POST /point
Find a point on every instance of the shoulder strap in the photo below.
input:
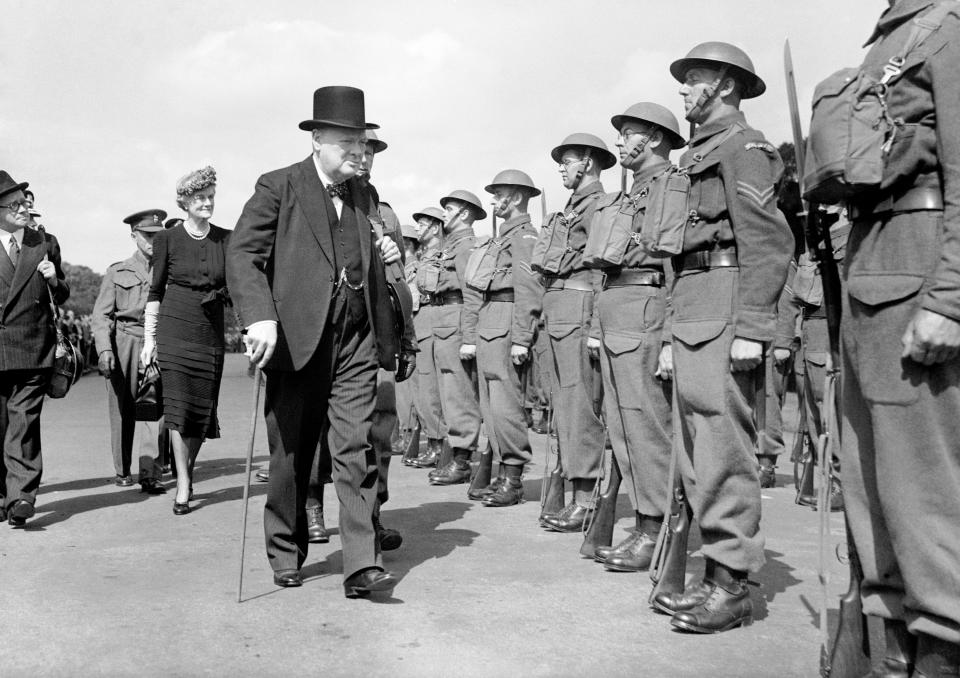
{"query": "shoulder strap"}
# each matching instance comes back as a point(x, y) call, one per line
point(923, 26)
point(712, 145)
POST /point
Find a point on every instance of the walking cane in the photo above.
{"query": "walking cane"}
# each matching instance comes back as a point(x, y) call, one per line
point(257, 382)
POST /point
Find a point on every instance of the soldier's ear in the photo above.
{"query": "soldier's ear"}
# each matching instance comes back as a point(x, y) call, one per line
point(656, 138)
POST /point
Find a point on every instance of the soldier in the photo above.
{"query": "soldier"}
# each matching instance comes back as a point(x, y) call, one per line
point(901, 339)
point(406, 390)
point(430, 221)
point(454, 332)
point(735, 251)
point(631, 308)
point(118, 335)
point(568, 312)
point(505, 322)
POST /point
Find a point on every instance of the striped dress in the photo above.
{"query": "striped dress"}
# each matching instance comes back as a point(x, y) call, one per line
point(189, 281)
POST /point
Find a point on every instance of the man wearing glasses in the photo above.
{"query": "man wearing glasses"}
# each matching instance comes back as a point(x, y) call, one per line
point(30, 276)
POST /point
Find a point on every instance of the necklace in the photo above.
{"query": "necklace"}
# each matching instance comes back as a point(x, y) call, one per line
point(193, 235)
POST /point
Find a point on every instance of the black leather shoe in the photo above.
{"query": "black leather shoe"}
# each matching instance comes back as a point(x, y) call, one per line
point(262, 475)
point(726, 607)
point(695, 593)
point(288, 578)
point(18, 513)
point(389, 539)
point(123, 481)
point(430, 456)
point(152, 486)
point(508, 493)
point(361, 584)
point(316, 529)
point(562, 513)
point(601, 553)
point(634, 558)
point(455, 472)
point(479, 493)
point(181, 509)
point(768, 473)
point(569, 521)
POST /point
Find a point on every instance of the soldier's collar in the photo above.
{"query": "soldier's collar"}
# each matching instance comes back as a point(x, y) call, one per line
point(894, 16)
point(514, 223)
point(704, 132)
point(457, 236)
point(584, 191)
point(642, 176)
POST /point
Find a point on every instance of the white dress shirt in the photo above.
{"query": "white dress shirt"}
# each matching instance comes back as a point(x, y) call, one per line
point(327, 181)
point(8, 238)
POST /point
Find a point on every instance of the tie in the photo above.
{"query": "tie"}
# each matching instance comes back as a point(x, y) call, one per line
point(14, 251)
point(337, 190)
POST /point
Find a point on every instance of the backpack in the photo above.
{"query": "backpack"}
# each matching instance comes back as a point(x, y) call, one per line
point(611, 229)
point(851, 131)
point(552, 244)
point(665, 221)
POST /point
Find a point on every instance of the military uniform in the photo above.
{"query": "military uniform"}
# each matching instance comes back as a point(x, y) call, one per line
point(441, 287)
point(901, 467)
point(736, 250)
point(407, 390)
point(631, 308)
point(508, 314)
point(569, 320)
point(118, 327)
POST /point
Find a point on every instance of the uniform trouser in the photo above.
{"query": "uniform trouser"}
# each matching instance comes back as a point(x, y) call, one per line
point(901, 431)
point(458, 389)
point(384, 423)
point(21, 464)
point(772, 444)
point(501, 391)
point(335, 391)
point(580, 433)
point(121, 406)
point(406, 407)
point(538, 387)
point(427, 396)
point(713, 419)
point(636, 403)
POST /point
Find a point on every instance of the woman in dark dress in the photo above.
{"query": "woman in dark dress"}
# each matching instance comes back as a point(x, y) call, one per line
point(183, 328)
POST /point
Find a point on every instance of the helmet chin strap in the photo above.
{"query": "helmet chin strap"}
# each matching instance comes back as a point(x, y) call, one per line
point(583, 163)
point(708, 94)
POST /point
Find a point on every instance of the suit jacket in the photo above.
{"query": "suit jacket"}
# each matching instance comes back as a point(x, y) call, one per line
point(27, 334)
point(280, 264)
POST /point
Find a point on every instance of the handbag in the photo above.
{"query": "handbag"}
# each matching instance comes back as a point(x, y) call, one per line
point(149, 402)
point(67, 364)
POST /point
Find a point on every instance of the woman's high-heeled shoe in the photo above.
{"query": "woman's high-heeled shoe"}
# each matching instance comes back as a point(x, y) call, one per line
point(181, 509)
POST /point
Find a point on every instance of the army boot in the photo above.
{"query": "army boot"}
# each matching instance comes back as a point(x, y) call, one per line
point(726, 606)
point(316, 529)
point(692, 595)
point(601, 553)
point(637, 556)
point(430, 457)
point(481, 485)
point(510, 491)
point(768, 471)
point(454, 472)
point(936, 658)
point(388, 539)
point(446, 456)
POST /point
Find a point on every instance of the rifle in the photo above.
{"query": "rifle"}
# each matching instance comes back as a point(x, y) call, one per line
point(598, 531)
point(413, 445)
point(551, 487)
point(850, 653)
point(668, 569)
point(493, 223)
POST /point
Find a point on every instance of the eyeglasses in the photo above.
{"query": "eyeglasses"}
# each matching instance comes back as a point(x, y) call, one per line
point(566, 163)
point(17, 206)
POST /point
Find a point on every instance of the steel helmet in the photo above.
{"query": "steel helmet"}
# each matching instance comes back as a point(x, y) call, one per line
point(468, 198)
point(377, 144)
point(714, 54)
point(586, 140)
point(654, 114)
point(430, 213)
point(409, 231)
point(513, 177)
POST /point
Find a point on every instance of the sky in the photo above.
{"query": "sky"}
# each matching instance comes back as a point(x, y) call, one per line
point(107, 103)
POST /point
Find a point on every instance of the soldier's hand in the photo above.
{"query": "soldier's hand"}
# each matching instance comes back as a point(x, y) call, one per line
point(105, 363)
point(406, 364)
point(593, 348)
point(665, 363)
point(519, 354)
point(468, 351)
point(148, 354)
point(388, 250)
point(931, 338)
point(745, 354)
point(260, 340)
point(781, 355)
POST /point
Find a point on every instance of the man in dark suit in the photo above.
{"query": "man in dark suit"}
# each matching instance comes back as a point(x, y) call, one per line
point(30, 275)
point(306, 273)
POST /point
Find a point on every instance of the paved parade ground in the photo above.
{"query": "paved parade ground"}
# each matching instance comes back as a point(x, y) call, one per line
point(108, 582)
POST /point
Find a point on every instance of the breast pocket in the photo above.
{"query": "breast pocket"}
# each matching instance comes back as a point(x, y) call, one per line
point(127, 288)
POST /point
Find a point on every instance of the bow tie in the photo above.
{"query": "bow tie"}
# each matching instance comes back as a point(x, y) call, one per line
point(337, 190)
